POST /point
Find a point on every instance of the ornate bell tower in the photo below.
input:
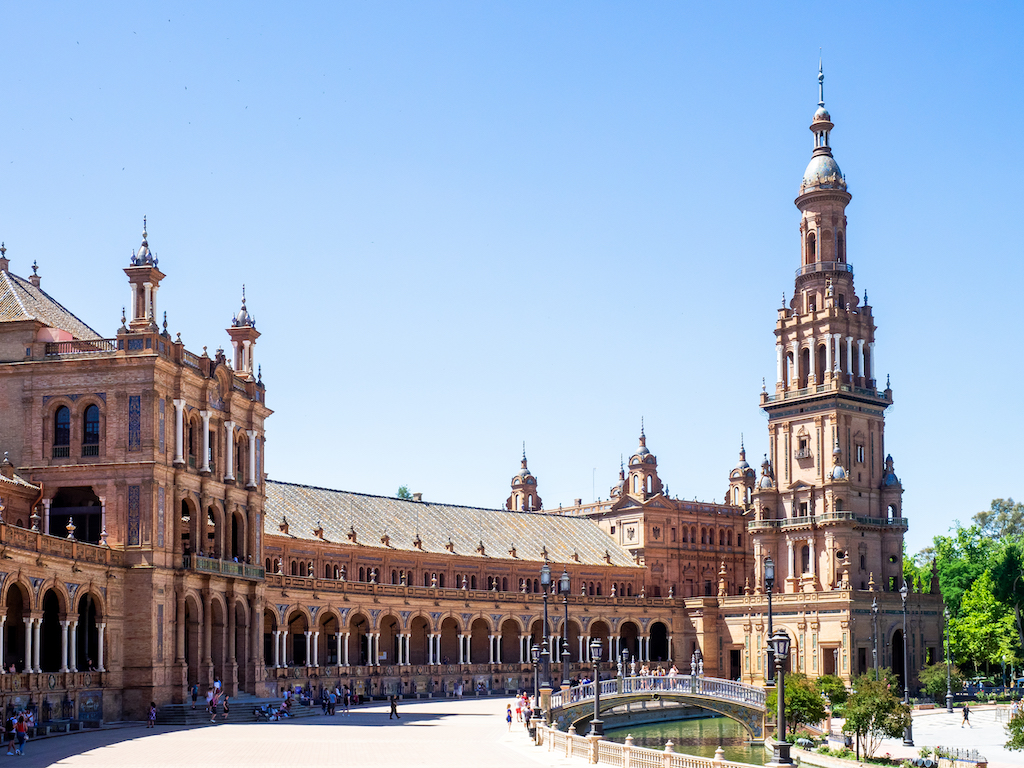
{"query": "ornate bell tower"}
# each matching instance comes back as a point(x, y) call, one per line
point(144, 279)
point(524, 496)
point(828, 507)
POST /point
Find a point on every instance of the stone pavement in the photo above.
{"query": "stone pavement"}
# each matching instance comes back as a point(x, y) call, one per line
point(454, 734)
point(937, 727)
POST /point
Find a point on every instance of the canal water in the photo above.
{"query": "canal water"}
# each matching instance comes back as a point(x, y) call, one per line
point(700, 736)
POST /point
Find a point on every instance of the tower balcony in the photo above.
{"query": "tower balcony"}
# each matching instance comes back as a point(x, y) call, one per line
point(824, 266)
point(814, 521)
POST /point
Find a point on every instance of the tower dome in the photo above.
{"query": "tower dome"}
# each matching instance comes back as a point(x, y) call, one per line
point(823, 171)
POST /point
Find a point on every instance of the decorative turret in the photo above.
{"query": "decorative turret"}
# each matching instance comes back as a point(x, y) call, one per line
point(144, 278)
point(4, 261)
point(741, 480)
point(643, 481)
point(243, 335)
point(524, 496)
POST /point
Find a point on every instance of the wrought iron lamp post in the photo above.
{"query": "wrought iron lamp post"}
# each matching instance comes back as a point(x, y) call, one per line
point(563, 585)
point(780, 643)
point(769, 582)
point(535, 653)
point(874, 634)
point(596, 726)
point(545, 585)
point(949, 677)
point(908, 734)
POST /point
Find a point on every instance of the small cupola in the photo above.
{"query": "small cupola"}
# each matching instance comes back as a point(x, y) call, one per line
point(243, 335)
point(524, 496)
point(643, 481)
point(144, 277)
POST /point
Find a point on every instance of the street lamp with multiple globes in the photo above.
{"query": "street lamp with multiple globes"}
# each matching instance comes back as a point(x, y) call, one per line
point(908, 733)
point(874, 634)
point(545, 585)
point(780, 646)
point(596, 726)
point(949, 678)
point(563, 584)
point(769, 582)
point(535, 653)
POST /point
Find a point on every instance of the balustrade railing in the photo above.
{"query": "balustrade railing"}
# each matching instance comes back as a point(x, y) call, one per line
point(824, 266)
point(80, 347)
point(827, 517)
point(694, 684)
point(195, 562)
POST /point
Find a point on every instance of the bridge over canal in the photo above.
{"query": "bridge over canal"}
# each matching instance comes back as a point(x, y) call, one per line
point(737, 701)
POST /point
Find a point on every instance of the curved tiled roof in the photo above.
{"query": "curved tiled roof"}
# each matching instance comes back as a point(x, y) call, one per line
point(306, 506)
point(20, 300)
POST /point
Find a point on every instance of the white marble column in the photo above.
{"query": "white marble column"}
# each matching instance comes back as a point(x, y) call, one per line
point(828, 355)
point(64, 646)
point(277, 648)
point(3, 621)
point(36, 645)
point(794, 347)
point(791, 559)
point(669, 648)
point(153, 312)
point(860, 357)
point(135, 300)
point(870, 373)
point(247, 355)
point(179, 431)
point(582, 656)
point(851, 369)
point(73, 647)
point(28, 644)
point(147, 296)
point(490, 649)
point(337, 647)
point(309, 647)
point(206, 441)
point(811, 555)
point(101, 631)
point(812, 369)
point(838, 339)
point(780, 359)
point(316, 648)
point(345, 655)
point(253, 483)
point(229, 454)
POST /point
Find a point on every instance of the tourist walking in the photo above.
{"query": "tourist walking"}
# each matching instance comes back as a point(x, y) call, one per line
point(9, 734)
point(213, 708)
point(195, 694)
point(151, 720)
point(21, 730)
point(508, 716)
point(394, 708)
point(967, 717)
point(226, 707)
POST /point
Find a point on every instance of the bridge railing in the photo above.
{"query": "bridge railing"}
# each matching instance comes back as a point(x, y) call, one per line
point(693, 684)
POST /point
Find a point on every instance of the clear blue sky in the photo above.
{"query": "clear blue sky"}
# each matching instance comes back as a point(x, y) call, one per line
point(466, 225)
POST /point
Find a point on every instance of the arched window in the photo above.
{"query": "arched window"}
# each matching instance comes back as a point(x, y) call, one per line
point(721, 538)
point(805, 559)
point(193, 443)
point(440, 580)
point(267, 565)
point(636, 483)
point(394, 576)
point(62, 433)
point(812, 248)
point(840, 247)
point(650, 484)
point(362, 573)
point(536, 585)
point(739, 539)
point(504, 583)
point(295, 568)
point(839, 505)
point(327, 571)
point(472, 581)
point(91, 431)
point(693, 535)
point(629, 590)
point(335, 572)
point(703, 535)
point(240, 463)
point(426, 579)
point(599, 589)
point(729, 537)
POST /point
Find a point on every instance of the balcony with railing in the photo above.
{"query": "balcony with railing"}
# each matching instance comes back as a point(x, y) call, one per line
point(194, 562)
point(824, 266)
point(811, 521)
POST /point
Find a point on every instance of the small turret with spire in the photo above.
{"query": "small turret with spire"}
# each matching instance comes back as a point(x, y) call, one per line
point(144, 277)
point(243, 335)
point(524, 496)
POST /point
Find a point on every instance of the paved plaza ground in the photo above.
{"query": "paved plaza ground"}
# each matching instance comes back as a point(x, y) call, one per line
point(453, 734)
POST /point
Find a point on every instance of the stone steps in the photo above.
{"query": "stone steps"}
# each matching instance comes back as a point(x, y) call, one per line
point(242, 707)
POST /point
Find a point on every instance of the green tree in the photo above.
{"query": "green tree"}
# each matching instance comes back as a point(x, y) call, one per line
point(874, 711)
point(961, 559)
point(1004, 518)
point(1015, 731)
point(933, 680)
point(1008, 580)
point(980, 632)
point(404, 493)
point(804, 704)
point(832, 687)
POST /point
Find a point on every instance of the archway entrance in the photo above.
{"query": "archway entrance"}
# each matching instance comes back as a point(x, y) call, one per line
point(82, 506)
point(659, 642)
point(50, 634)
point(898, 667)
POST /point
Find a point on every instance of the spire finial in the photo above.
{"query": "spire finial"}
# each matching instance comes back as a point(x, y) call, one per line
point(243, 295)
point(3, 250)
point(35, 267)
point(821, 82)
point(642, 427)
point(524, 450)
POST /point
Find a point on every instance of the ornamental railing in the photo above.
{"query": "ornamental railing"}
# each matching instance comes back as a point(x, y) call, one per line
point(697, 685)
point(80, 347)
point(824, 266)
point(828, 517)
point(195, 562)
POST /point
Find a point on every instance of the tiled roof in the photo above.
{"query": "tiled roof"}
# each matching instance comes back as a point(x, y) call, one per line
point(306, 506)
point(20, 300)
point(17, 481)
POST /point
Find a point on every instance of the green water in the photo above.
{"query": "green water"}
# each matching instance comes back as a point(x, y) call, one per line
point(694, 737)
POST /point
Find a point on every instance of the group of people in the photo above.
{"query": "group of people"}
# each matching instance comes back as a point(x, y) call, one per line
point(330, 699)
point(213, 701)
point(16, 731)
